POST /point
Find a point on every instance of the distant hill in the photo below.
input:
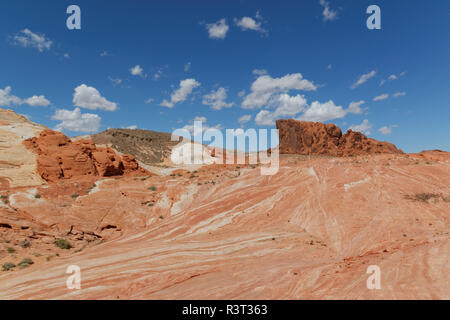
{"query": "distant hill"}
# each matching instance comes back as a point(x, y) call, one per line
point(149, 147)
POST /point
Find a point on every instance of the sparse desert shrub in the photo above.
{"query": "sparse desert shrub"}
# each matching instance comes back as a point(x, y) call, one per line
point(152, 188)
point(37, 196)
point(25, 243)
point(26, 262)
point(63, 244)
point(10, 250)
point(8, 266)
point(422, 197)
point(75, 195)
point(445, 199)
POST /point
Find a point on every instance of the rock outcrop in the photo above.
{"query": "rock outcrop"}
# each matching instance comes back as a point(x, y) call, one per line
point(17, 163)
point(315, 138)
point(61, 158)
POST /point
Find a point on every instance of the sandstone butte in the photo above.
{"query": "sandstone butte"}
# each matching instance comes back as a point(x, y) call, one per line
point(227, 232)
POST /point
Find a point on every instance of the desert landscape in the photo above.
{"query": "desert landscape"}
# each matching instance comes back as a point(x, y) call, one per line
point(141, 227)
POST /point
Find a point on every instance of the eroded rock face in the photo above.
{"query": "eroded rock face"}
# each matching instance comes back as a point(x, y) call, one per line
point(315, 138)
point(60, 158)
point(17, 163)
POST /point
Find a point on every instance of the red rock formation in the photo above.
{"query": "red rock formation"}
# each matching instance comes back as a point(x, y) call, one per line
point(60, 158)
point(315, 138)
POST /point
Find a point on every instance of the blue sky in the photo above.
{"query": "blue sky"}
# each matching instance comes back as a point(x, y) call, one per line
point(222, 60)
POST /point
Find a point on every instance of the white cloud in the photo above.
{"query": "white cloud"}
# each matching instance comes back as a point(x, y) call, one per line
point(133, 127)
point(105, 54)
point(216, 99)
point(241, 93)
point(364, 127)
point(259, 72)
point(181, 94)
point(288, 106)
point(266, 88)
point(399, 94)
point(66, 55)
point(386, 130)
point(363, 79)
point(37, 101)
point(28, 39)
point(328, 13)
point(355, 107)
point(218, 30)
point(323, 112)
point(89, 98)
point(248, 23)
point(187, 67)
point(149, 100)
point(76, 121)
point(329, 67)
point(392, 77)
point(383, 96)
point(137, 71)
point(115, 82)
point(244, 119)
point(6, 98)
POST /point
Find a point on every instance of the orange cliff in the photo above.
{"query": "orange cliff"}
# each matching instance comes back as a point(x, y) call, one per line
point(315, 138)
point(61, 158)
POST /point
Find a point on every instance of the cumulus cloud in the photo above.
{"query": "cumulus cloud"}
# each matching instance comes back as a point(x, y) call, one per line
point(248, 23)
point(383, 96)
point(244, 119)
point(328, 13)
point(265, 88)
point(37, 101)
point(216, 99)
point(7, 99)
point(323, 112)
point(181, 94)
point(241, 93)
point(364, 127)
point(392, 77)
point(287, 106)
point(218, 30)
point(66, 56)
point(137, 71)
point(362, 79)
point(89, 98)
point(76, 121)
point(386, 130)
point(355, 107)
point(28, 39)
point(105, 54)
point(399, 94)
point(149, 100)
point(132, 127)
